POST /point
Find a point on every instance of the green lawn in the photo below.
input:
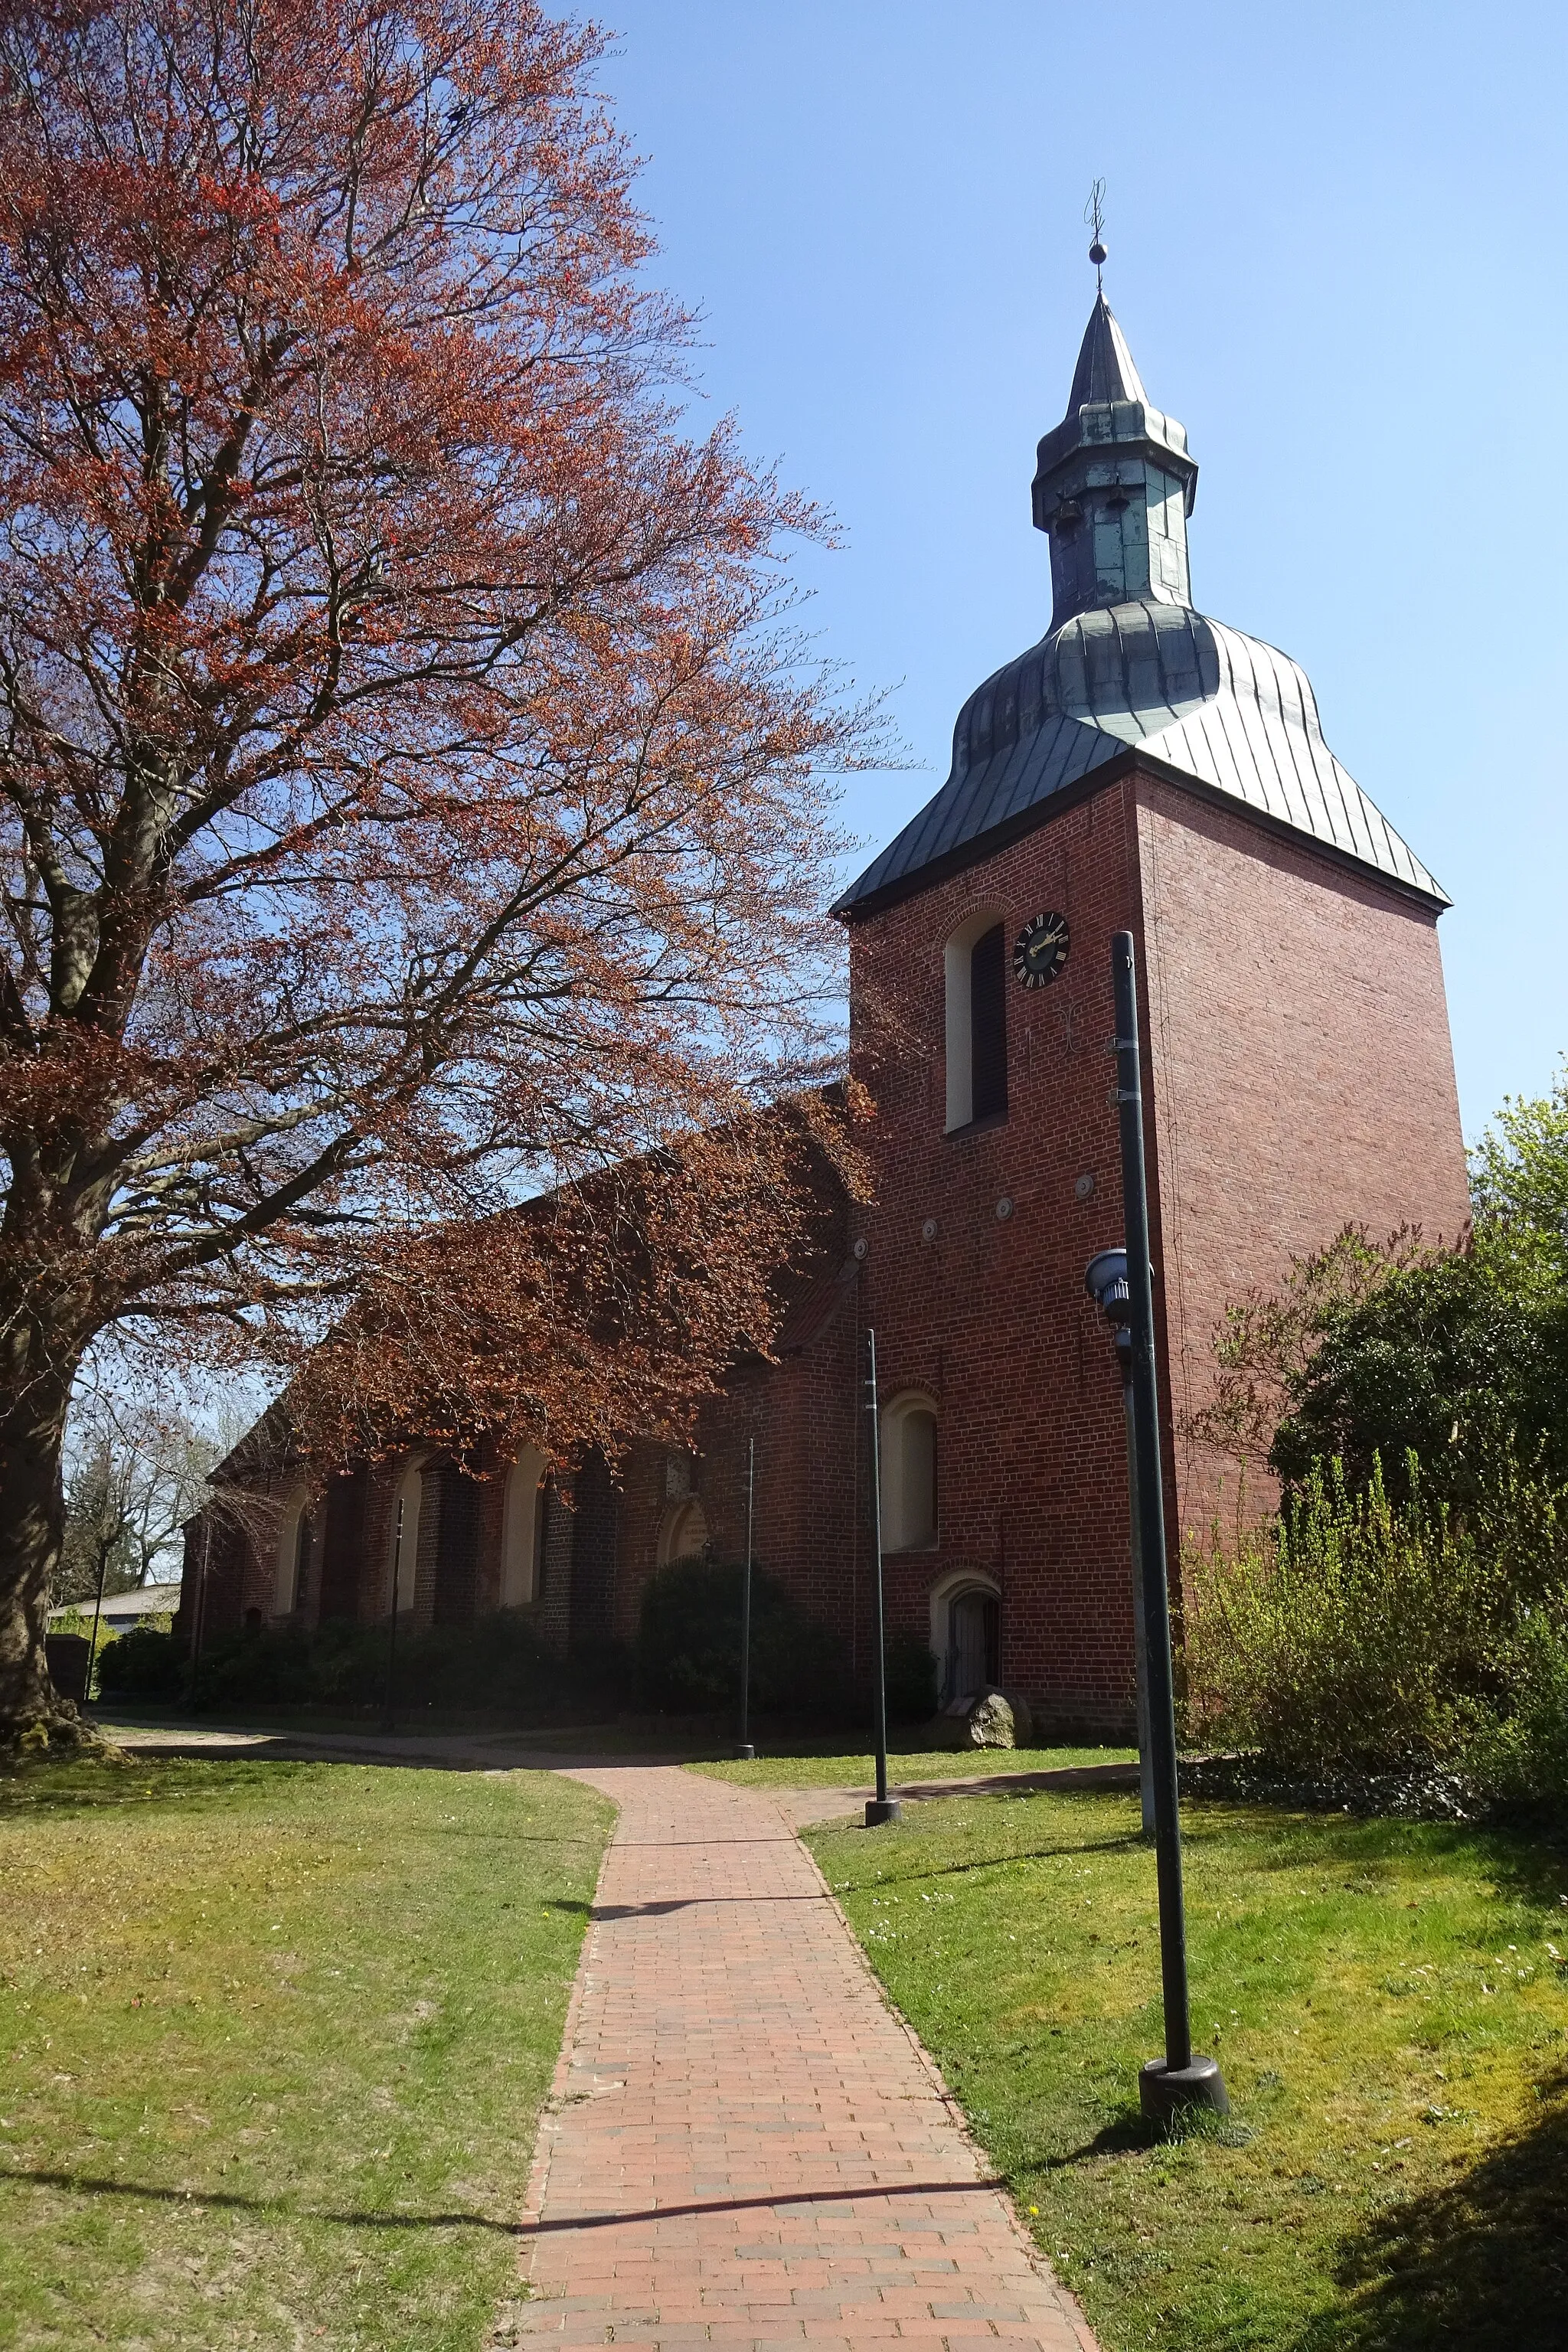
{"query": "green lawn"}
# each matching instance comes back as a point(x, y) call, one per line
point(276, 2037)
point(1391, 2016)
point(808, 1769)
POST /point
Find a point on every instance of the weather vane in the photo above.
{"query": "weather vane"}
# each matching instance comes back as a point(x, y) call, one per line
point(1094, 215)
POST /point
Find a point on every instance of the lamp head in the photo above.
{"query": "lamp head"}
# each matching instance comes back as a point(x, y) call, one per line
point(1105, 1280)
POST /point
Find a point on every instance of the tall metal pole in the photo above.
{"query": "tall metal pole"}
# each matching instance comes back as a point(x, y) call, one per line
point(1139, 1630)
point(881, 1807)
point(745, 1748)
point(96, 1613)
point(1179, 2080)
point(391, 1630)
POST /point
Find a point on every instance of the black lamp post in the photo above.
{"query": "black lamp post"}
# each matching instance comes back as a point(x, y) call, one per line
point(1106, 1283)
point(743, 1746)
point(881, 1808)
point(1179, 2079)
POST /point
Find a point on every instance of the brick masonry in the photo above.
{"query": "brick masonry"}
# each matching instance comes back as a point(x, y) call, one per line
point(1296, 1041)
point(745, 2145)
point(1301, 1076)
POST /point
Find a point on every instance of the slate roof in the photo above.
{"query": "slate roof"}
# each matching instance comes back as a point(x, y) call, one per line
point(1148, 672)
point(1225, 709)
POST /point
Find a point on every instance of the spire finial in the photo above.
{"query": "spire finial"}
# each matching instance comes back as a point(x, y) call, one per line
point(1094, 217)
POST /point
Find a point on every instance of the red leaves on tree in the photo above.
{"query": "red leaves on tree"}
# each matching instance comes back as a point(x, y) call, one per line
point(413, 799)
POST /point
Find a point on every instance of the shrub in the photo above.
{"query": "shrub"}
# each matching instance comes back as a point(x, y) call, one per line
point(1451, 1361)
point(496, 1664)
point(146, 1662)
point(688, 1646)
point(264, 1668)
point(1522, 1758)
point(911, 1679)
point(1352, 1632)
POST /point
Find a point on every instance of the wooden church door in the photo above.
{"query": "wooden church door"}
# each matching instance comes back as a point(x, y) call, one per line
point(973, 1645)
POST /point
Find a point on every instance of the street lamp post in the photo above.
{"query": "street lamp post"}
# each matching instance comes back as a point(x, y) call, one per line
point(881, 1807)
point(743, 1746)
point(1180, 2079)
point(1106, 1283)
point(199, 1631)
point(97, 1617)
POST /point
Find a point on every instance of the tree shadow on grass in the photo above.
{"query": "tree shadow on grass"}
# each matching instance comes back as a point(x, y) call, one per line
point(1527, 1866)
point(1481, 2263)
point(919, 1872)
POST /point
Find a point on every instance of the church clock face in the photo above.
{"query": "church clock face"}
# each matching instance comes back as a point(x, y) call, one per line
point(1040, 951)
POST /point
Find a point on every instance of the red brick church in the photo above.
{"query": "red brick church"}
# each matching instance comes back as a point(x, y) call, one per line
point(1142, 767)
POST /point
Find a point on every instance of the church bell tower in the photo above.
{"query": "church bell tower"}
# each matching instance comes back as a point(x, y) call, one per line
point(1141, 767)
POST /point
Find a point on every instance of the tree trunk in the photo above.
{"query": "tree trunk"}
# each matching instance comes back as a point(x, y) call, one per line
point(35, 1721)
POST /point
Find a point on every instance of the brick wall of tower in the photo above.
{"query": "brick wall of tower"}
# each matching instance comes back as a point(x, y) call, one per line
point(1302, 1069)
point(989, 1316)
point(1297, 1037)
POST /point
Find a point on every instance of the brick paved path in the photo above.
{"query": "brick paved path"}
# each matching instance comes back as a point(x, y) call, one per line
point(745, 2146)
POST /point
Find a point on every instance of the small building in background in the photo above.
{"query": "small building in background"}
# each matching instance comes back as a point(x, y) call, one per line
point(144, 1604)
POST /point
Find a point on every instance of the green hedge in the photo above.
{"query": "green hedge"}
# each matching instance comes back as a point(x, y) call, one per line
point(146, 1662)
point(685, 1661)
point(688, 1657)
point(497, 1666)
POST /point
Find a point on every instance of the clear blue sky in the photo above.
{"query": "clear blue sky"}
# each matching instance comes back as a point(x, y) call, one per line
point(1337, 237)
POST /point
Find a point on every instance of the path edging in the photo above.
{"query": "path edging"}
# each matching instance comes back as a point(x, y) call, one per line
point(508, 2317)
point(985, 2171)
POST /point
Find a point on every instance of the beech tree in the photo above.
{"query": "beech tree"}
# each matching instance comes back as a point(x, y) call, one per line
point(412, 798)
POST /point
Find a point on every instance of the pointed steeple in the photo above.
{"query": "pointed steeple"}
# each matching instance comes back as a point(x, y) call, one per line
point(1128, 670)
point(1114, 485)
point(1105, 370)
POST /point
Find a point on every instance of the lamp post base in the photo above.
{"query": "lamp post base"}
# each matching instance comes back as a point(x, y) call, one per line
point(878, 1811)
point(744, 1751)
point(1163, 2091)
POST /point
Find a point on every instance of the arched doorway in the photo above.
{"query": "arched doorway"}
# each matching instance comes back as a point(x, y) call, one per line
point(966, 1627)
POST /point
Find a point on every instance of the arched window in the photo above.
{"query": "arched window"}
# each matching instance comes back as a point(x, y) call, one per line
point(908, 1474)
point(292, 1570)
point(520, 1528)
point(683, 1533)
point(403, 1537)
point(975, 967)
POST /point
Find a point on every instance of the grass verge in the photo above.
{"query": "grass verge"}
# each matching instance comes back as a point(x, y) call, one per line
point(812, 1767)
point(1391, 2016)
point(276, 2037)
